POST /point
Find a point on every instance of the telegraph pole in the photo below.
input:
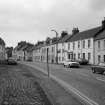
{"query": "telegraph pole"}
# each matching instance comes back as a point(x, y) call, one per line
point(48, 72)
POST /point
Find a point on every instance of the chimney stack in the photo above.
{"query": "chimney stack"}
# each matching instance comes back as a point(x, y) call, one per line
point(64, 33)
point(103, 24)
point(75, 31)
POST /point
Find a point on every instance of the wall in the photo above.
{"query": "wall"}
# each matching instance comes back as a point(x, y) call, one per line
point(99, 51)
point(81, 50)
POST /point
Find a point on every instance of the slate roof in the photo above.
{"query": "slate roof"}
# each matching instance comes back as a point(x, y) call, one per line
point(85, 34)
point(64, 39)
point(100, 35)
point(55, 40)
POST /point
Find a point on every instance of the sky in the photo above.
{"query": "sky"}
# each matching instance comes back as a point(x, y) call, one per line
point(33, 20)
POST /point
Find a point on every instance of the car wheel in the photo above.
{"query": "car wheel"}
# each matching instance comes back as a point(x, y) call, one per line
point(93, 70)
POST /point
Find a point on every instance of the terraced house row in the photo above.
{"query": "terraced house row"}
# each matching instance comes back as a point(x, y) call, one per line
point(88, 44)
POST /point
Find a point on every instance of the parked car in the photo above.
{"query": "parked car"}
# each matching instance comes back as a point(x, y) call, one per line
point(82, 61)
point(11, 61)
point(71, 63)
point(100, 68)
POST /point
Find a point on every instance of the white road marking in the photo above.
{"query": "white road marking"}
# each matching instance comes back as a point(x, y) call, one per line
point(69, 88)
point(100, 79)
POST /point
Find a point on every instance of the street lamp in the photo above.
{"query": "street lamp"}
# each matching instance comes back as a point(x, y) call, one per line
point(56, 45)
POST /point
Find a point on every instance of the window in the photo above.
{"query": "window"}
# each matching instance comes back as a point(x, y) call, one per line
point(73, 45)
point(83, 55)
point(98, 44)
point(78, 55)
point(104, 44)
point(99, 58)
point(83, 43)
point(78, 44)
point(104, 58)
point(74, 56)
point(89, 44)
point(71, 56)
point(89, 56)
point(68, 56)
point(68, 46)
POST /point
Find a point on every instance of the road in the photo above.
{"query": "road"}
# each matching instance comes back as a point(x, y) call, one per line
point(19, 87)
point(83, 80)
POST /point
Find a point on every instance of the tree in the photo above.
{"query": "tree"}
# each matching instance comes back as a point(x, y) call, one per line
point(64, 33)
point(9, 51)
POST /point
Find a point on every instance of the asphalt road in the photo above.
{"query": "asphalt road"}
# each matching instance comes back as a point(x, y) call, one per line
point(19, 87)
point(82, 79)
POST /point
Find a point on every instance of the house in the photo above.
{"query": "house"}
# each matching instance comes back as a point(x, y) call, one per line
point(2, 50)
point(18, 54)
point(62, 46)
point(100, 48)
point(45, 51)
point(23, 51)
point(81, 44)
point(37, 56)
point(29, 52)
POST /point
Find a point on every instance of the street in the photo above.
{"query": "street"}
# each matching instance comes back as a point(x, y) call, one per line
point(91, 86)
point(19, 87)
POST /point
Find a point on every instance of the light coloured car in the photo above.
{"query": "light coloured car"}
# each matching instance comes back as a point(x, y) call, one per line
point(71, 63)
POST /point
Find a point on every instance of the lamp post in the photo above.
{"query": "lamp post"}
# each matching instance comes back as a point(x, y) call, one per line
point(56, 46)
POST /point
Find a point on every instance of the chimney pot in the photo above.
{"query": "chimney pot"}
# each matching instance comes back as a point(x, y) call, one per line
point(75, 31)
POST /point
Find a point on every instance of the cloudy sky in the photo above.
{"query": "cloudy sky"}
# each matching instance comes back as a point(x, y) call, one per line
point(33, 20)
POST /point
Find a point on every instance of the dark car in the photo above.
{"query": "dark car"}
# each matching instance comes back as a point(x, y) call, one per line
point(100, 68)
point(82, 61)
point(11, 61)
